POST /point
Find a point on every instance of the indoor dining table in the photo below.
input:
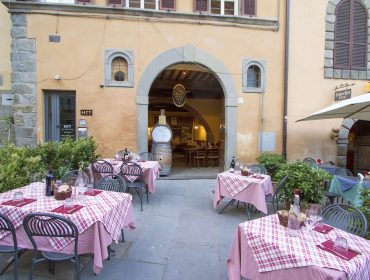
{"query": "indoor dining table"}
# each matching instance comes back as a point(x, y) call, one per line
point(249, 189)
point(263, 250)
point(98, 215)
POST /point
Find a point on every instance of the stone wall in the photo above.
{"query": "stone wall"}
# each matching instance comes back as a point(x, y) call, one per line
point(23, 59)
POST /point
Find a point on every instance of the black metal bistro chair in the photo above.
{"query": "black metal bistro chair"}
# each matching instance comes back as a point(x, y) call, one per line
point(51, 225)
point(132, 169)
point(345, 217)
point(71, 177)
point(7, 226)
point(310, 161)
point(113, 183)
point(101, 168)
point(146, 156)
point(274, 199)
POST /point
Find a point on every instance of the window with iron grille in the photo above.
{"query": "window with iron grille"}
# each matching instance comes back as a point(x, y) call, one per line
point(115, 3)
point(119, 68)
point(201, 5)
point(350, 35)
point(168, 4)
point(248, 7)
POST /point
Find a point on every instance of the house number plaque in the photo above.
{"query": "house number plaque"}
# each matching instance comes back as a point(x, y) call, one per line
point(86, 112)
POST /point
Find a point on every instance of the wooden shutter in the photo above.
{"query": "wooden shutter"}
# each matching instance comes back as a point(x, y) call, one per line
point(201, 5)
point(359, 36)
point(83, 1)
point(342, 35)
point(249, 7)
point(115, 2)
point(168, 5)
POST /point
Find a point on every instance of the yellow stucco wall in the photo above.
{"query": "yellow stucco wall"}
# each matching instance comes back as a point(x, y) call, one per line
point(79, 60)
point(308, 90)
point(5, 42)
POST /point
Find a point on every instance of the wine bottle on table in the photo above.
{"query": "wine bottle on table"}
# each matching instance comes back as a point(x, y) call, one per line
point(294, 217)
point(49, 182)
point(232, 165)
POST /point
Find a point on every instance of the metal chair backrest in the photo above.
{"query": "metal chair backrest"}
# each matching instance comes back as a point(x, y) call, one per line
point(131, 169)
point(113, 183)
point(100, 168)
point(280, 187)
point(310, 161)
point(71, 176)
point(7, 226)
point(146, 156)
point(49, 225)
point(345, 217)
point(342, 171)
point(258, 169)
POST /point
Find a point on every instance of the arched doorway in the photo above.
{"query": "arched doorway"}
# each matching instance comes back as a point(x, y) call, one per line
point(191, 55)
point(353, 145)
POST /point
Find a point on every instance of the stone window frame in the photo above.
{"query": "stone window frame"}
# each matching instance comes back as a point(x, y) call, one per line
point(109, 56)
point(247, 62)
point(329, 71)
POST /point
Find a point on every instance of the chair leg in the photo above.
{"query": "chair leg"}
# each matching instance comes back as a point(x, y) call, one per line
point(32, 266)
point(77, 267)
point(141, 198)
point(122, 235)
point(16, 268)
point(147, 194)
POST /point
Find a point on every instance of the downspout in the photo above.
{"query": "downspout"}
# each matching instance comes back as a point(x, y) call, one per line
point(286, 80)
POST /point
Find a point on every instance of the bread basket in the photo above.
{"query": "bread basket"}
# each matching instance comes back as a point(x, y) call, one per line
point(245, 172)
point(283, 218)
point(61, 193)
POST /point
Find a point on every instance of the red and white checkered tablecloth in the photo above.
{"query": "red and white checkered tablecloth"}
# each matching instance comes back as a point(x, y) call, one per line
point(234, 183)
point(145, 165)
point(109, 208)
point(274, 249)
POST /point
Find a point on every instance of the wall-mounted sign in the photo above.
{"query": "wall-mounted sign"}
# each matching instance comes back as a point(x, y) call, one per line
point(86, 112)
point(342, 94)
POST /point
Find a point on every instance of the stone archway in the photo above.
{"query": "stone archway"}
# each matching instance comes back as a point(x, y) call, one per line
point(342, 142)
point(187, 54)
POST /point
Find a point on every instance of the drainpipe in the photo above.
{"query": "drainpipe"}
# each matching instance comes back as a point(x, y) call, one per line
point(286, 79)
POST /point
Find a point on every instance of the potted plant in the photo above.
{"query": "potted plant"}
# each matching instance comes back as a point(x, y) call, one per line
point(272, 162)
point(309, 180)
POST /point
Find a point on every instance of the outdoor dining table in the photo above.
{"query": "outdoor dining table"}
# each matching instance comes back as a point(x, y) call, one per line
point(348, 187)
point(249, 189)
point(263, 250)
point(99, 221)
point(330, 168)
point(150, 170)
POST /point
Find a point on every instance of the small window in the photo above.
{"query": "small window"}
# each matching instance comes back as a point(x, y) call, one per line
point(229, 8)
point(254, 72)
point(149, 4)
point(134, 3)
point(119, 68)
point(216, 7)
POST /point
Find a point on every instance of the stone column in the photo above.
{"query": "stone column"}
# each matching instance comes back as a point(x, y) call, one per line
point(23, 59)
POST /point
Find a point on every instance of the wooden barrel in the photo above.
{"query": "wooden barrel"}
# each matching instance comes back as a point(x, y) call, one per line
point(163, 154)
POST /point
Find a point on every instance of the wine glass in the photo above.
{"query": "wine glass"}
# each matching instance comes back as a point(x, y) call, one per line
point(310, 219)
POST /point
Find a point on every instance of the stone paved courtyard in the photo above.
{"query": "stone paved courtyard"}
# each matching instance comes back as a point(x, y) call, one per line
point(177, 236)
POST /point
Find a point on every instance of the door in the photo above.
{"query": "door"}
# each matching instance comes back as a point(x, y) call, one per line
point(60, 115)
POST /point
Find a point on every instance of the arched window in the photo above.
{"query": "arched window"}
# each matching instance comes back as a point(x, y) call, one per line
point(254, 75)
point(350, 35)
point(119, 68)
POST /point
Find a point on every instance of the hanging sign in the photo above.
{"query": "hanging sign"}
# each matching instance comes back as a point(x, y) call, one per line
point(342, 94)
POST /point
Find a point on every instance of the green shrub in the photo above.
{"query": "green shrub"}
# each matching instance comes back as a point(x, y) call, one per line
point(309, 180)
point(365, 207)
point(21, 165)
point(272, 163)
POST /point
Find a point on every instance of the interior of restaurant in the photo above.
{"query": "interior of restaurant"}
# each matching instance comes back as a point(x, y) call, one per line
point(358, 153)
point(197, 123)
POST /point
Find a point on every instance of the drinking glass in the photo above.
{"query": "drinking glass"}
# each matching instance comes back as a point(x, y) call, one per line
point(68, 203)
point(18, 196)
point(340, 244)
point(310, 219)
point(90, 188)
